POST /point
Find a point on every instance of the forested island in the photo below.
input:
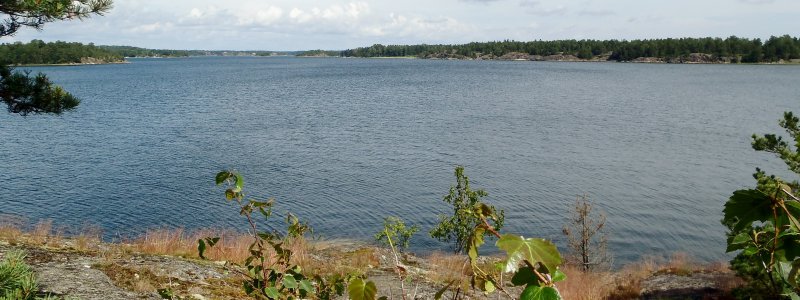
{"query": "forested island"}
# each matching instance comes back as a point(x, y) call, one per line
point(783, 49)
point(38, 52)
point(129, 51)
point(683, 50)
point(319, 53)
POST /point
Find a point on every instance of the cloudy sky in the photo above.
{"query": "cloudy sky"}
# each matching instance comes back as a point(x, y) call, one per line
point(333, 24)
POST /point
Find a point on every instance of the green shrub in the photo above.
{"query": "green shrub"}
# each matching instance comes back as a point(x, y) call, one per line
point(459, 227)
point(395, 233)
point(16, 278)
point(763, 223)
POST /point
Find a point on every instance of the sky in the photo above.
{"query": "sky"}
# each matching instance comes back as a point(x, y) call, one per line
point(336, 25)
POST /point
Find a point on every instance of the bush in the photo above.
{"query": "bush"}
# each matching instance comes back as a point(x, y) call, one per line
point(459, 227)
point(16, 278)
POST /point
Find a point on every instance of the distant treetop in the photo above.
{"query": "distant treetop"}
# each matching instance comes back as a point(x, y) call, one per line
point(731, 49)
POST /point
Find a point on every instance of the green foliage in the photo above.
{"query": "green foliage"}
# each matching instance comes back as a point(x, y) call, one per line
point(395, 233)
point(270, 273)
point(533, 292)
point(775, 144)
point(129, 51)
point(532, 262)
point(763, 223)
point(319, 53)
point(17, 281)
point(38, 52)
point(360, 289)
point(166, 293)
point(458, 228)
point(519, 249)
point(733, 49)
point(24, 94)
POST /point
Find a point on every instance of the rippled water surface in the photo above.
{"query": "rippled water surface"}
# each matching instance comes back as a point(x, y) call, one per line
point(345, 142)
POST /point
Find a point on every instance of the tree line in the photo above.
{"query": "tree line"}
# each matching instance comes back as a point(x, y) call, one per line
point(734, 49)
point(130, 51)
point(39, 52)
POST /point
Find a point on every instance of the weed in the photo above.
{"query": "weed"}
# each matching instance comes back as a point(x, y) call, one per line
point(17, 281)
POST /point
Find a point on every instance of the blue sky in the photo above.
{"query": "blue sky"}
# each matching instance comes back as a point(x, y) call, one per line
point(302, 24)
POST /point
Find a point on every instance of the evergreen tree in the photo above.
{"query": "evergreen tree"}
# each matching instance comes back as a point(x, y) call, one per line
point(25, 94)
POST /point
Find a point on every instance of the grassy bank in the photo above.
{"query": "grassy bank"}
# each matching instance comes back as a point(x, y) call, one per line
point(159, 259)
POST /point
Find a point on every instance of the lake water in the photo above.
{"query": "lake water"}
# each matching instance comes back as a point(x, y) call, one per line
point(343, 143)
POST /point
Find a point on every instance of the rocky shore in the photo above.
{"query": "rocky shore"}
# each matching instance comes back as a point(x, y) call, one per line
point(69, 269)
point(692, 58)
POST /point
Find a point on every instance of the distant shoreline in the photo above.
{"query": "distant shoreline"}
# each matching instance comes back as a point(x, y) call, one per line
point(660, 61)
point(71, 64)
point(637, 61)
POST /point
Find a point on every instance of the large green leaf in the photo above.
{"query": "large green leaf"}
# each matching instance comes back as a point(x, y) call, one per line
point(559, 276)
point(739, 241)
point(793, 207)
point(272, 292)
point(791, 277)
point(533, 292)
point(307, 286)
point(289, 282)
point(222, 176)
point(358, 289)
point(524, 276)
point(533, 250)
point(788, 247)
point(475, 242)
point(746, 207)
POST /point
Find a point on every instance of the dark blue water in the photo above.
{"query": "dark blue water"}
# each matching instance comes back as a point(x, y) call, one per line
point(343, 143)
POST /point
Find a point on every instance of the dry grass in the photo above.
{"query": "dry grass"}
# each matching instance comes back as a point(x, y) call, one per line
point(679, 264)
point(627, 282)
point(338, 262)
point(11, 228)
point(446, 268)
point(89, 238)
point(585, 285)
point(178, 242)
point(233, 247)
point(41, 232)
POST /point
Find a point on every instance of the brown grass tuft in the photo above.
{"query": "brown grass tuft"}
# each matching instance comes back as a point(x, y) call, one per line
point(585, 285)
point(337, 262)
point(89, 238)
point(679, 264)
point(11, 228)
point(231, 246)
point(446, 268)
point(41, 232)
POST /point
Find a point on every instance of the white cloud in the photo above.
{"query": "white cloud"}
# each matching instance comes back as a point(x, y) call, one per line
point(537, 8)
point(262, 17)
point(426, 28)
point(338, 24)
point(152, 27)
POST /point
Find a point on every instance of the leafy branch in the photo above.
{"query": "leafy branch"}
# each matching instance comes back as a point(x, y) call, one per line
point(763, 222)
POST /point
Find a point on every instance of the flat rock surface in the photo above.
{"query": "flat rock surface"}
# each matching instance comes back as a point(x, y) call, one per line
point(691, 286)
